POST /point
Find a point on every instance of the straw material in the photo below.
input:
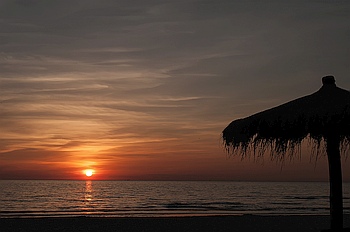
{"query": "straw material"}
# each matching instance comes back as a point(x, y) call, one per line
point(321, 115)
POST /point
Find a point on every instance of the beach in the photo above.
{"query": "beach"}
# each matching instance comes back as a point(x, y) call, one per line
point(245, 223)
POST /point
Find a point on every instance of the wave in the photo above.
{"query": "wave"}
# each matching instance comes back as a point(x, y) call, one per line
point(206, 205)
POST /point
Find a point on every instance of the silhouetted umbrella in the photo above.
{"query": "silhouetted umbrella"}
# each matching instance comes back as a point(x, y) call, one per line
point(323, 116)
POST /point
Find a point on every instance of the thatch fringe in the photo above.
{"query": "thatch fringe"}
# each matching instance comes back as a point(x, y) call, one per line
point(281, 148)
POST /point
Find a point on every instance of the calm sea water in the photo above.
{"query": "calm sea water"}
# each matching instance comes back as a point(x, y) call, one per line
point(158, 198)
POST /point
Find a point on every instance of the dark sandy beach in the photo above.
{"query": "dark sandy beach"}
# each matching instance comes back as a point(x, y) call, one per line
point(206, 223)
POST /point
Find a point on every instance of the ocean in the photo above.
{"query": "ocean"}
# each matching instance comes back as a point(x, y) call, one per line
point(53, 198)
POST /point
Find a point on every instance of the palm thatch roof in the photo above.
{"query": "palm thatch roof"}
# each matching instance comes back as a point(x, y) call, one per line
point(318, 116)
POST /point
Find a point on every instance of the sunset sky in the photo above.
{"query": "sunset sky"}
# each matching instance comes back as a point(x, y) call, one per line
point(141, 89)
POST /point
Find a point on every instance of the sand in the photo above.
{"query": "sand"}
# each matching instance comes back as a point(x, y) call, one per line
point(244, 223)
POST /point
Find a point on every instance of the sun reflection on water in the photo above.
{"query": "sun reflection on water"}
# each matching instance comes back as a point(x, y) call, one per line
point(88, 191)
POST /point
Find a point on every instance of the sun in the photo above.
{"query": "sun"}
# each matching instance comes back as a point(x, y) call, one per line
point(89, 172)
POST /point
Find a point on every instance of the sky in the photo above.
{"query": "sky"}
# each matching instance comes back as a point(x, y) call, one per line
point(141, 90)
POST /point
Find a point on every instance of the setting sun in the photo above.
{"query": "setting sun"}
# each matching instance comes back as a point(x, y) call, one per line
point(89, 172)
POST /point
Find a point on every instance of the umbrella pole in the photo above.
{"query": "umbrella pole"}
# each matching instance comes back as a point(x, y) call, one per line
point(335, 181)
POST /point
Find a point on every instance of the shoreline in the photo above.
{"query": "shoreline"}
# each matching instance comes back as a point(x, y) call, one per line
point(247, 222)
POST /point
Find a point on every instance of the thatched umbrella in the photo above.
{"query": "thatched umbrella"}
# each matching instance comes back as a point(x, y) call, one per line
point(323, 116)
